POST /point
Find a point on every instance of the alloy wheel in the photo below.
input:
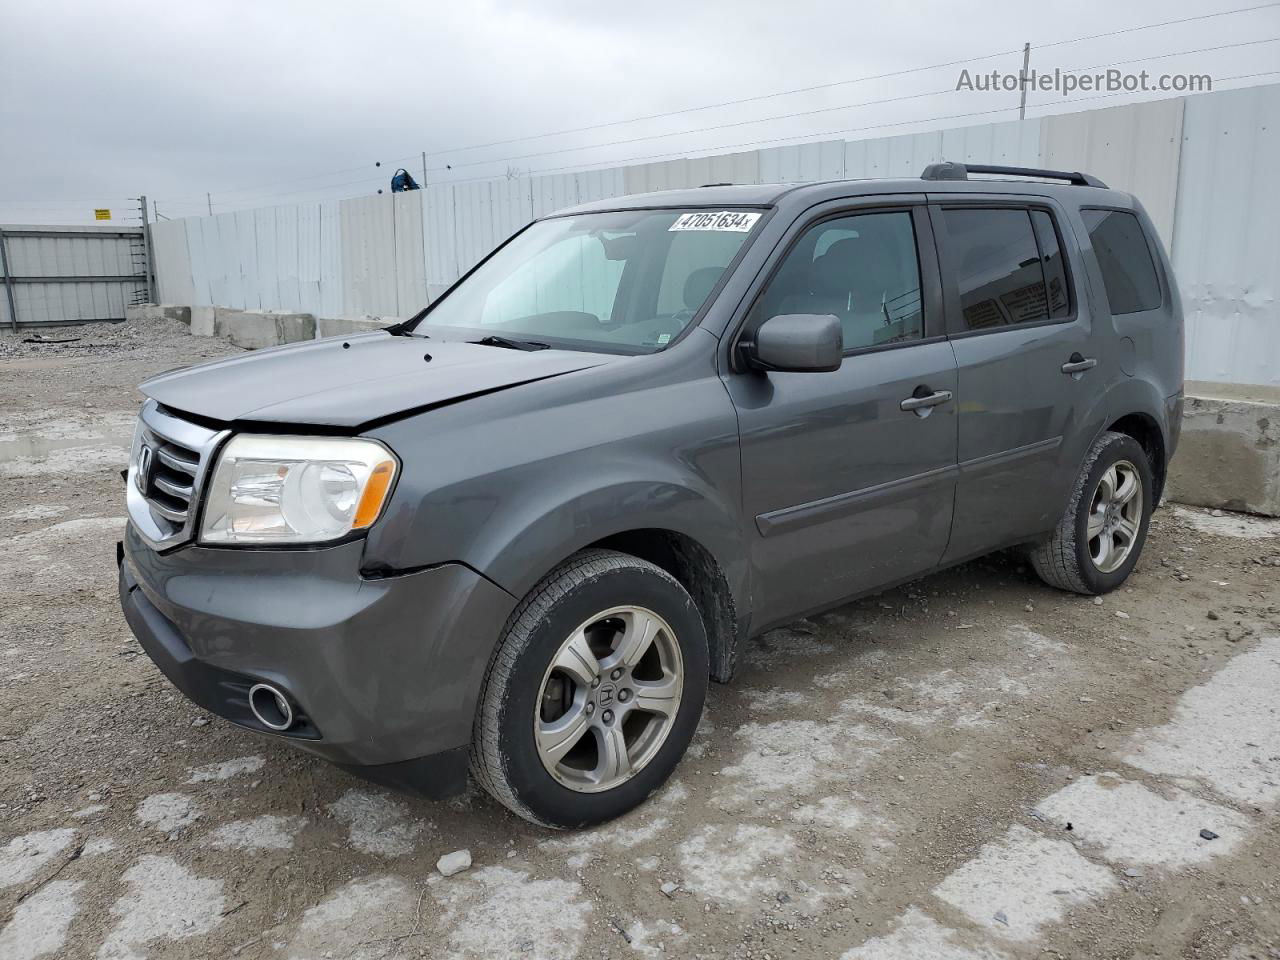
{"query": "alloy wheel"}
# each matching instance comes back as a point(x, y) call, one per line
point(1115, 516)
point(609, 699)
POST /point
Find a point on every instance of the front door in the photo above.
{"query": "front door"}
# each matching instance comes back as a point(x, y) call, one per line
point(848, 477)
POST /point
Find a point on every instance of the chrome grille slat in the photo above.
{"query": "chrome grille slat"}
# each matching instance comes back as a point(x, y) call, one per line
point(177, 516)
point(178, 454)
point(173, 489)
point(169, 456)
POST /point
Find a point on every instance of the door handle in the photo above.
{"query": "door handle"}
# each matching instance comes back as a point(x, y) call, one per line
point(921, 406)
point(1078, 365)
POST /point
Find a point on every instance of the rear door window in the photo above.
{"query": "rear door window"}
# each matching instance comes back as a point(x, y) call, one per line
point(1128, 272)
point(1001, 273)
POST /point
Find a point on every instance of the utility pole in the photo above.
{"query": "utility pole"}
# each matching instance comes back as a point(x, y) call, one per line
point(424, 169)
point(146, 247)
point(1023, 79)
point(209, 199)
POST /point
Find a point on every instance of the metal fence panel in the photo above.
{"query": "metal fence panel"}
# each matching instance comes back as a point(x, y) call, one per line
point(442, 257)
point(368, 256)
point(411, 261)
point(170, 249)
point(801, 162)
point(64, 274)
point(1226, 238)
point(1132, 148)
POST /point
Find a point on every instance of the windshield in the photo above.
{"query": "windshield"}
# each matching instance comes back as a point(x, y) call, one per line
point(628, 281)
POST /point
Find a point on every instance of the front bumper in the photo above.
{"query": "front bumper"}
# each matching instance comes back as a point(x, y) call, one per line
point(385, 673)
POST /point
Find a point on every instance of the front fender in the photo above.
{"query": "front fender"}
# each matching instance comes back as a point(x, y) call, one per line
point(540, 534)
point(512, 491)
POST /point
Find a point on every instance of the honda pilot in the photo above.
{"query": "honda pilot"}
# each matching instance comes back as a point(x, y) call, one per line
point(517, 534)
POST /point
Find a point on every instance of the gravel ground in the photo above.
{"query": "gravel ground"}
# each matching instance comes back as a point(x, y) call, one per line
point(974, 766)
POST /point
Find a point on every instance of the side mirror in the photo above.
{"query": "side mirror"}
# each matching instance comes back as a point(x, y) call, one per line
point(797, 343)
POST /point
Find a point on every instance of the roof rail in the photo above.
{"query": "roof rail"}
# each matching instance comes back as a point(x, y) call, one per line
point(960, 171)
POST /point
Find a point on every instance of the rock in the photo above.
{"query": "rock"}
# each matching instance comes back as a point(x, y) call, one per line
point(1212, 614)
point(1132, 872)
point(200, 721)
point(1208, 835)
point(1097, 601)
point(1120, 614)
point(455, 862)
point(1029, 608)
point(1000, 917)
point(669, 888)
point(1217, 513)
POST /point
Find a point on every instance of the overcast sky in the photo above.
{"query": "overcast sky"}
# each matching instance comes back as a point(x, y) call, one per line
point(269, 102)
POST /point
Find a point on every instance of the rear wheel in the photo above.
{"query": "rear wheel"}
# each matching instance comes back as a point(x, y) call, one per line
point(594, 692)
point(1100, 536)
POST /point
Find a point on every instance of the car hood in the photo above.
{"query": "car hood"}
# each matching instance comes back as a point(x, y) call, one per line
point(356, 380)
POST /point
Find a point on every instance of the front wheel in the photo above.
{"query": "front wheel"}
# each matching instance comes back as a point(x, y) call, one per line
point(593, 693)
point(1100, 536)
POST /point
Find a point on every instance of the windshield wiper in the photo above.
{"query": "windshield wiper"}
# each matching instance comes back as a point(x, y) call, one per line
point(493, 340)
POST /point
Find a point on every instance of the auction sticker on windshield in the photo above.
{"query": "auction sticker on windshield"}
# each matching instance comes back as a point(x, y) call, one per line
point(735, 221)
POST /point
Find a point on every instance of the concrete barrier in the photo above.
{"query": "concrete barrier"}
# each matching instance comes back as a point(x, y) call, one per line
point(342, 326)
point(1229, 454)
point(254, 329)
point(202, 321)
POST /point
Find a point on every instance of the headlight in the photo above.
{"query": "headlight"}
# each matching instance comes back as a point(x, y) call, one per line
point(296, 489)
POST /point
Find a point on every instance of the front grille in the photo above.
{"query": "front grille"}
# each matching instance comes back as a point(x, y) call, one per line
point(171, 480)
point(170, 458)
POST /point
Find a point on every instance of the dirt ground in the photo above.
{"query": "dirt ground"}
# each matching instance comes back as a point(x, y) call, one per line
point(974, 766)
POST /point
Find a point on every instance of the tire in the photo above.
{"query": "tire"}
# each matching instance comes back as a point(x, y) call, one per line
point(1069, 559)
point(609, 601)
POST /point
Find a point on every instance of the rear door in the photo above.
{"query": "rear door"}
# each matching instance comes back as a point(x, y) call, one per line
point(1027, 358)
point(848, 476)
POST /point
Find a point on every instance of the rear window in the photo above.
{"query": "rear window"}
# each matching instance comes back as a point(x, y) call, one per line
point(1128, 272)
point(1008, 269)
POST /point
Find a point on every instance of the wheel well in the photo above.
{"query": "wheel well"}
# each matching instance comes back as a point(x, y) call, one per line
point(698, 572)
point(1146, 431)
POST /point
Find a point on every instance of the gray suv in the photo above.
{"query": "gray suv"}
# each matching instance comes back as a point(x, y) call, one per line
point(518, 533)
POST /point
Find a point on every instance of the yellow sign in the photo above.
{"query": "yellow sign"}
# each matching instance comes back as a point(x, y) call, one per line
point(102, 214)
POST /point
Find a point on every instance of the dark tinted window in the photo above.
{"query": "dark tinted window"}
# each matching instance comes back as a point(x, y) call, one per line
point(862, 269)
point(1128, 271)
point(998, 268)
point(1055, 271)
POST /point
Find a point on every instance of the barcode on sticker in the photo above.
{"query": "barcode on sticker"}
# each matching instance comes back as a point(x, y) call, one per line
point(735, 221)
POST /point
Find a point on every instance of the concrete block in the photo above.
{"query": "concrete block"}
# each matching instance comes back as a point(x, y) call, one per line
point(253, 329)
point(1229, 454)
point(344, 326)
point(202, 321)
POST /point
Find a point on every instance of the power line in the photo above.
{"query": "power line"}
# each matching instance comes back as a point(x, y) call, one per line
point(808, 137)
point(769, 119)
point(808, 113)
point(840, 83)
point(735, 102)
point(829, 133)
